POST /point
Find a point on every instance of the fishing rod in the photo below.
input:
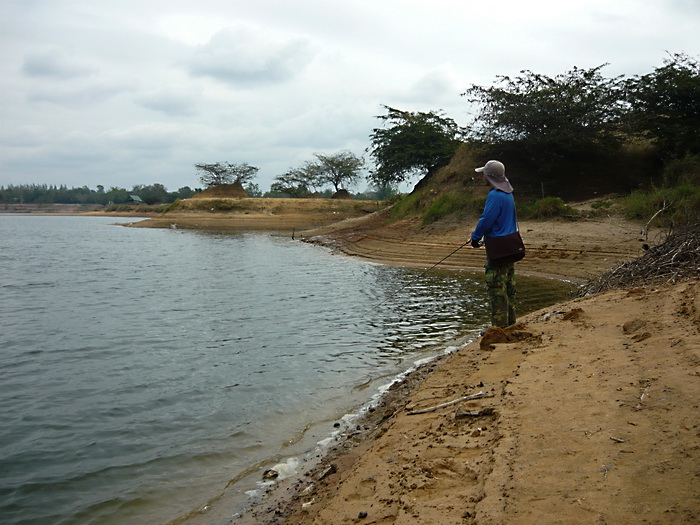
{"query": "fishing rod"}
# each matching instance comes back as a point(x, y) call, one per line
point(413, 281)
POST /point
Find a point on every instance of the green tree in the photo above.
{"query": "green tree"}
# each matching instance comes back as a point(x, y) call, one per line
point(151, 193)
point(253, 190)
point(550, 119)
point(297, 182)
point(339, 169)
point(665, 106)
point(411, 143)
point(117, 195)
point(183, 193)
point(225, 173)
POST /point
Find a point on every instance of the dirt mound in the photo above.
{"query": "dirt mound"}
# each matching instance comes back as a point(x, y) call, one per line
point(223, 191)
point(342, 194)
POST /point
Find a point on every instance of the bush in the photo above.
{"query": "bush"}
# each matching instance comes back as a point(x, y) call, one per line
point(548, 208)
point(452, 204)
point(601, 205)
point(406, 205)
point(668, 206)
point(682, 171)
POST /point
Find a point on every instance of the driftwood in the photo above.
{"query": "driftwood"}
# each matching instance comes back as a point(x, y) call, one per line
point(478, 395)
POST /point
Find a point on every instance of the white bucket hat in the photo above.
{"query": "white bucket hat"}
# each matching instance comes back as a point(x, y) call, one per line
point(495, 173)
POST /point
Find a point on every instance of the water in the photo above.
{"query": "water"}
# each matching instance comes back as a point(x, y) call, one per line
point(142, 370)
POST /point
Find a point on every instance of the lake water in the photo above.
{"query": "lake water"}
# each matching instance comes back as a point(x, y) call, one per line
point(143, 370)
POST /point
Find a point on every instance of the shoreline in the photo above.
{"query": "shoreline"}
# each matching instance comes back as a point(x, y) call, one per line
point(559, 438)
point(476, 458)
point(593, 417)
point(517, 457)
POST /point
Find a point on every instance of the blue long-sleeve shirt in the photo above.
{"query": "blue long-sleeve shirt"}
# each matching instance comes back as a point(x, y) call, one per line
point(498, 218)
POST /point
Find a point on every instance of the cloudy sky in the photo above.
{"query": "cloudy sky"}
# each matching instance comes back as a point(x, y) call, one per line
point(128, 92)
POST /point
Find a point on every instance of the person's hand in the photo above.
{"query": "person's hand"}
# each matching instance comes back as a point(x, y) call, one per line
point(476, 243)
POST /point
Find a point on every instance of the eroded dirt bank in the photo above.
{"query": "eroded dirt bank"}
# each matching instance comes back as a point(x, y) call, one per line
point(572, 250)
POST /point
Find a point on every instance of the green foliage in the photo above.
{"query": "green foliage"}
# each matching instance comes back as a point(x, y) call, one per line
point(253, 190)
point(682, 171)
point(394, 199)
point(601, 205)
point(296, 182)
point(407, 205)
point(457, 205)
point(677, 206)
point(547, 208)
point(665, 106)
point(225, 173)
point(341, 169)
point(44, 194)
point(413, 143)
point(550, 117)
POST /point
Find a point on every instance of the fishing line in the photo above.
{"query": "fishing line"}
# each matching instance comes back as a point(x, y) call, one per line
point(413, 281)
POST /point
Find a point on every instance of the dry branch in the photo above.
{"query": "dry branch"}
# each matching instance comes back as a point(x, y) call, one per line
point(675, 259)
point(478, 395)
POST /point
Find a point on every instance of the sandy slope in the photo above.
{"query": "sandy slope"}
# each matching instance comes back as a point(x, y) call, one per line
point(595, 420)
point(573, 250)
point(594, 414)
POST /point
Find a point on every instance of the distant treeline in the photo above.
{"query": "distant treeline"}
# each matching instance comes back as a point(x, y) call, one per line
point(46, 194)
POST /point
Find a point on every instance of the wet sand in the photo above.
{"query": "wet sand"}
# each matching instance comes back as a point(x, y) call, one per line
point(590, 414)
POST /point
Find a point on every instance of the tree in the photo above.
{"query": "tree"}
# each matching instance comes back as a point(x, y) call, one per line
point(665, 106)
point(339, 169)
point(297, 182)
point(225, 173)
point(151, 194)
point(413, 143)
point(577, 112)
point(253, 190)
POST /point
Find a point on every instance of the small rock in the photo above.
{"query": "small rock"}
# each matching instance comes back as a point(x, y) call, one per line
point(270, 474)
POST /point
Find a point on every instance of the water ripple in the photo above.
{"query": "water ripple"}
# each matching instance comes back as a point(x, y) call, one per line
point(141, 370)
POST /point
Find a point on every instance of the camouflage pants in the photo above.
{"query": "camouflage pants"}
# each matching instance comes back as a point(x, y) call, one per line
point(501, 284)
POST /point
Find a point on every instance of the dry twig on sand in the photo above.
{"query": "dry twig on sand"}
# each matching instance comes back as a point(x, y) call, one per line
point(478, 395)
point(676, 259)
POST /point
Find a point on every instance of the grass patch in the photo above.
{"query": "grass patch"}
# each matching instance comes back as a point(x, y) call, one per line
point(456, 205)
point(675, 206)
point(407, 205)
point(547, 208)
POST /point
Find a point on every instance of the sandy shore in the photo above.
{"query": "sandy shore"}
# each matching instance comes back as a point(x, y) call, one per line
point(590, 407)
point(590, 417)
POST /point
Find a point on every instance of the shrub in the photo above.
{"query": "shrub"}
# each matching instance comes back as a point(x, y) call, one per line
point(407, 205)
point(459, 205)
point(601, 205)
point(548, 208)
point(682, 171)
point(668, 206)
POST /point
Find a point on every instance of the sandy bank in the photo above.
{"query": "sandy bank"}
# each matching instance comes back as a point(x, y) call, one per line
point(245, 214)
point(571, 250)
point(591, 414)
point(592, 418)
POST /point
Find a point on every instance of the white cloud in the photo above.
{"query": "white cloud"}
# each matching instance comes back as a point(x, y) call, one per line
point(53, 63)
point(245, 55)
point(76, 96)
point(171, 102)
point(124, 93)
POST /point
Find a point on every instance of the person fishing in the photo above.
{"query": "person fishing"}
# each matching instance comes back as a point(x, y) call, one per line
point(498, 222)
